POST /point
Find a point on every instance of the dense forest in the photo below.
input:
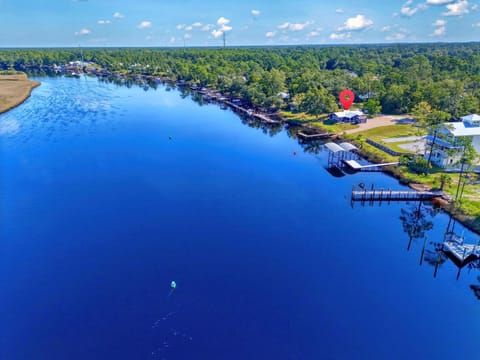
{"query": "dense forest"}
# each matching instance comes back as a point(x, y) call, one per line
point(446, 76)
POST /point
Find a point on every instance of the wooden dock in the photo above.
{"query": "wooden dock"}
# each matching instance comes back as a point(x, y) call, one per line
point(304, 136)
point(392, 195)
point(248, 112)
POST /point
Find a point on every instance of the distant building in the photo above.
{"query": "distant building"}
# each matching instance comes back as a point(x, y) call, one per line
point(447, 151)
point(348, 116)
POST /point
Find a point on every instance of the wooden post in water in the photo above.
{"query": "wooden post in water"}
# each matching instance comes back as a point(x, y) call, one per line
point(423, 250)
point(458, 273)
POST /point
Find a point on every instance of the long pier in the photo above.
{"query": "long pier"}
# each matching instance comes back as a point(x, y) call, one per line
point(392, 195)
point(261, 117)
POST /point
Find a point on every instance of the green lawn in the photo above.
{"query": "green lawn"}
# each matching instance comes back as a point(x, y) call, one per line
point(392, 131)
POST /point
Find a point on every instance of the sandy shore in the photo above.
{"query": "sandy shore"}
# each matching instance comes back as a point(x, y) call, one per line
point(14, 90)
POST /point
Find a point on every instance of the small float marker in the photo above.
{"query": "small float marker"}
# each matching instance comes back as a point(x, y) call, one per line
point(173, 284)
point(346, 98)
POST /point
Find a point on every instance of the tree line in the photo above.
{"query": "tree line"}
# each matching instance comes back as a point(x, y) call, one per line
point(395, 78)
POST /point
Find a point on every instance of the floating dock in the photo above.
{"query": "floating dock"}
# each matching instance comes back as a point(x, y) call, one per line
point(460, 252)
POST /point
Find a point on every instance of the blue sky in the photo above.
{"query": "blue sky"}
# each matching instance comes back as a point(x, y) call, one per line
point(244, 22)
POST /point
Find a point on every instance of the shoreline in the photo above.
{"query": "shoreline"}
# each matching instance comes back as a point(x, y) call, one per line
point(450, 208)
point(15, 89)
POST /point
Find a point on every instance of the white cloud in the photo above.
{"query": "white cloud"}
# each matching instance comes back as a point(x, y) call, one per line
point(255, 12)
point(217, 33)
point(294, 26)
point(298, 26)
point(356, 23)
point(82, 32)
point(270, 34)
point(144, 24)
point(340, 36)
point(439, 23)
point(180, 26)
point(197, 24)
point(117, 15)
point(474, 7)
point(225, 28)
point(339, 11)
point(457, 9)
point(222, 21)
point(187, 36)
point(395, 37)
point(207, 27)
point(313, 33)
point(386, 28)
point(408, 11)
point(104, 22)
point(188, 28)
point(476, 25)
point(440, 31)
point(439, 2)
point(172, 39)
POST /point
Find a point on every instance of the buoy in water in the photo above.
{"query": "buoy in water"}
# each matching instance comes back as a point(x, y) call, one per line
point(173, 284)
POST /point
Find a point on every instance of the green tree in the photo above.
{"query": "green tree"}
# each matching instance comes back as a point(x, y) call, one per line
point(373, 107)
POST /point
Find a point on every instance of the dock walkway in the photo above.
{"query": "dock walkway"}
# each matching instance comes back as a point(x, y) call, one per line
point(391, 195)
point(259, 116)
point(304, 136)
point(358, 167)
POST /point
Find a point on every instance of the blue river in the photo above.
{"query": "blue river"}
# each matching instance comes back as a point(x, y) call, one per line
point(109, 193)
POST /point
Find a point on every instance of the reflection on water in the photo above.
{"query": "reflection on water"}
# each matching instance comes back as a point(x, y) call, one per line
point(9, 127)
point(417, 221)
point(56, 111)
point(266, 244)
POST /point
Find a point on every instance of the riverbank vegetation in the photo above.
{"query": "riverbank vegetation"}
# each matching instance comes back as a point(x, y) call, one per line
point(446, 76)
point(435, 82)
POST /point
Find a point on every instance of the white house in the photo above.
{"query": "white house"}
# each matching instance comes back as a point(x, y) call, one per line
point(355, 117)
point(447, 150)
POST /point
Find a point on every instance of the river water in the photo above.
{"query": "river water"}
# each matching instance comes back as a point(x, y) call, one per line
point(109, 193)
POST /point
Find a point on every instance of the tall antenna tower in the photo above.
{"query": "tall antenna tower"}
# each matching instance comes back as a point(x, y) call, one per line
point(224, 39)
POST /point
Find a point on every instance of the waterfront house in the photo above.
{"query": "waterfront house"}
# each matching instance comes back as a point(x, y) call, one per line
point(348, 116)
point(447, 150)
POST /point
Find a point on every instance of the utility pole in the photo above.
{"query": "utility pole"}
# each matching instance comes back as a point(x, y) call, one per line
point(224, 39)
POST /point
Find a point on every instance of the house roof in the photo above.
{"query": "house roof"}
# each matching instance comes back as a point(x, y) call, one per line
point(459, 129)
point(348, 147)
point(471, 117)
point(348, 114)
point(334, 147)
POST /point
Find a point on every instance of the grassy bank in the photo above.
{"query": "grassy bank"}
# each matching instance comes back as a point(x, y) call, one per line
point(15, 88)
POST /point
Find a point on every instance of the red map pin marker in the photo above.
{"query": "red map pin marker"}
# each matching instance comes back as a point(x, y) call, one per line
point(346, 98)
